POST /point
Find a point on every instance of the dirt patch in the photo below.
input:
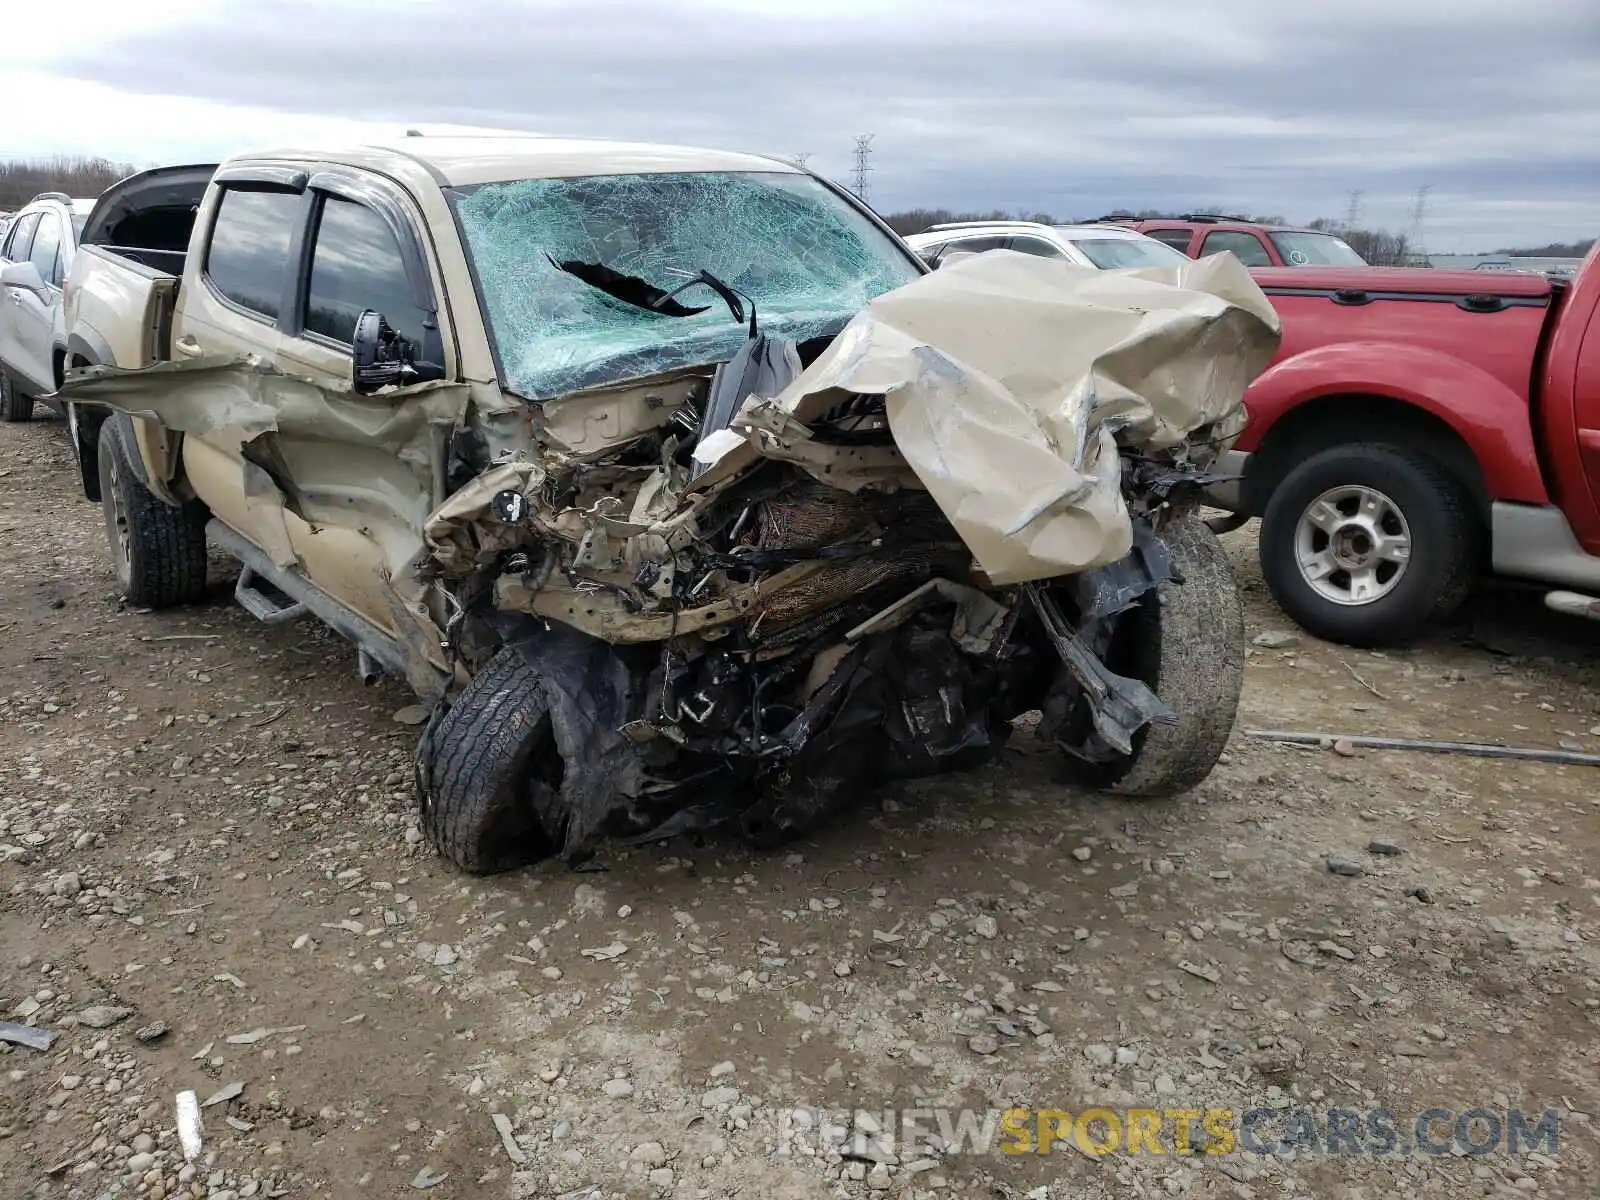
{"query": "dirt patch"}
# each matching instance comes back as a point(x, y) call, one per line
point(210, 823)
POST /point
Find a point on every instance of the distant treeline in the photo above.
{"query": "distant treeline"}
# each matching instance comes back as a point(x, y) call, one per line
point(1553, 250)
point(79, 177)
point(917, 219)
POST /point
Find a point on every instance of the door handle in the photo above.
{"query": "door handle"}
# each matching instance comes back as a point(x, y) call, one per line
point(187, 346)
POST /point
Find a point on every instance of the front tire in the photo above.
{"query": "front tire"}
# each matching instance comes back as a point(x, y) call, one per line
point(488, 766)
point(14, 406)
point(1185, 641)
point(1367, 544)
point(158, 550)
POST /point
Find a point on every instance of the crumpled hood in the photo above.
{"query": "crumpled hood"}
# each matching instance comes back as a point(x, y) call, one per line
point(1009, 381)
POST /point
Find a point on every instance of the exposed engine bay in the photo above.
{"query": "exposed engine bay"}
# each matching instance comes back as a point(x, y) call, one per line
point(757, 609)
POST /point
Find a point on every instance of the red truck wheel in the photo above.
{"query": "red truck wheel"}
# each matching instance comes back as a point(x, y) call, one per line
point(1366, 544)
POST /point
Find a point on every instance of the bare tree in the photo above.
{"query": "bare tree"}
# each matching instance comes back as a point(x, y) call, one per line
point(78, 176)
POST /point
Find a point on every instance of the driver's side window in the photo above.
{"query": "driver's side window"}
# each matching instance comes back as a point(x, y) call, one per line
point(356, 265)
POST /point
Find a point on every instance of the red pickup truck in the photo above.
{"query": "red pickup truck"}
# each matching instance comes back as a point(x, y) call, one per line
point(1420, 428)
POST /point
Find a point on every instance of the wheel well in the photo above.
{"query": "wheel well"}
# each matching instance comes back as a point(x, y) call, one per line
point(1333, 420)
point(90, 418)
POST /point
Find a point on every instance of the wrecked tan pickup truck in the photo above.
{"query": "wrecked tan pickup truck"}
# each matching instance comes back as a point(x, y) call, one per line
point(670, 478)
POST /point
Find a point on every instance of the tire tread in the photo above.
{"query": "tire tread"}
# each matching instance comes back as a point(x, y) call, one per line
point(167, 544)
point(475, 761)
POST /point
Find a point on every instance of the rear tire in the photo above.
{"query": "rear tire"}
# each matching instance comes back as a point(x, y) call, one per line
point(482, 766)
point(14, 406)
point(1186, 642)
point(83, 430)
point(157, 550)
point(1420, 504)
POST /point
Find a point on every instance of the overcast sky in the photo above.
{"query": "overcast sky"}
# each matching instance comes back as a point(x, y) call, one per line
point(1075, 107)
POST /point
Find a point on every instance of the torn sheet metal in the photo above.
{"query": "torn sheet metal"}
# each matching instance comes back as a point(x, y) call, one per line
point(1011, 380)
point(248, 394)
point(479, 522)
point(332, 480)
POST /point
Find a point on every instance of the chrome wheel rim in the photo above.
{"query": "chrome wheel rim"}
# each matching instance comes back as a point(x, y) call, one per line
point(1352, 545)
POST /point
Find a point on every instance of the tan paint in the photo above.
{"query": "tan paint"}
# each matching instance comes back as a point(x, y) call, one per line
point(117, 303)
point(162, 455)
point(594, 421)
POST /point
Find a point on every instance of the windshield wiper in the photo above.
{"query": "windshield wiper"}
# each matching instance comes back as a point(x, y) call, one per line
point(729, 296)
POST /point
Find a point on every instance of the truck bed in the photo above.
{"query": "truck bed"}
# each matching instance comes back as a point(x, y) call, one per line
point(118, 306)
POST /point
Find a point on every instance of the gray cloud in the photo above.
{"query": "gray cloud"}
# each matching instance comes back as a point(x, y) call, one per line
point(1075, 109)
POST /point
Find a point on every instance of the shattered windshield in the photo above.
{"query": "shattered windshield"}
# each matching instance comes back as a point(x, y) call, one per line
point(568, 268)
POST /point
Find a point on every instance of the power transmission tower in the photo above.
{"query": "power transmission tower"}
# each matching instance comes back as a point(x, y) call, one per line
point(1419, 214)
point(863, 164)
point(799, 160)
point(1352, 212)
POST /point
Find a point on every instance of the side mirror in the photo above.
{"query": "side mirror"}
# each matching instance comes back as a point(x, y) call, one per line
point(379, 357)
point(22, 275)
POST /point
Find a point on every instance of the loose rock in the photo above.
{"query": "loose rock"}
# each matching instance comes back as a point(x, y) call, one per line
point(103, 1016)
point(1276, 639)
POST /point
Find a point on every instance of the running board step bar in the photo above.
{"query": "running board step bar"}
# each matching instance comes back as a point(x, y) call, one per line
point(261, 606)
point(377, 647)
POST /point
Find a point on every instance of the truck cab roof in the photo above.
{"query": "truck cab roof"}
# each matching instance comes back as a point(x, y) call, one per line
point(462, 161)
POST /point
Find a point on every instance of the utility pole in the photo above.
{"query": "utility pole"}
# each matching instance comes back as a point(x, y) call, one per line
point(1352, 212)
point(1419, 214)
point(863, 164)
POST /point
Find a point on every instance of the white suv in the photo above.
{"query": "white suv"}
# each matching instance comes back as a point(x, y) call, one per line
point(38, 249)
point(1105, 246)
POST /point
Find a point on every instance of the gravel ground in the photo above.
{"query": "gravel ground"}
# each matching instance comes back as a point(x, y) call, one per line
point(211, 880)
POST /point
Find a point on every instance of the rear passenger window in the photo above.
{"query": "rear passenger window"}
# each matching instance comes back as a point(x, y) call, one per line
point(248, 259)
point(46, 252)
point(356, 265)
point(1245, 246)
point(1178, 239)
point(1033, 245)
point(973, 245)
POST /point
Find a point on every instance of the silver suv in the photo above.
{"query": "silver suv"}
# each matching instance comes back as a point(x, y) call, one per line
point(1104, 246)
point(38, 249)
